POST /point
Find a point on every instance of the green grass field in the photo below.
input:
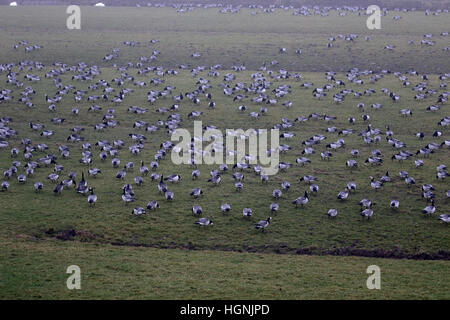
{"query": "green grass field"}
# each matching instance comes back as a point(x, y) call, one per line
point(232, 260)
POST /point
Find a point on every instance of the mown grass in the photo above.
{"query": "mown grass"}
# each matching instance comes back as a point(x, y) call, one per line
point(37, 270)
point(226, 38)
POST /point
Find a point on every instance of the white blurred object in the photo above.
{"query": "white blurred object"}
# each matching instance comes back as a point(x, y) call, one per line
point(13, 4)
point(100, 4)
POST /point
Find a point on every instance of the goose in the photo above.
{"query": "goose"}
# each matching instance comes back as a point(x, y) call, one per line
point(204, 222)
point(263, 224)
point(138, 211)
point(92, 198)
point(5, 185)
point(239, 186)
point(196, 192)
point(173, 178)
point(38, 186)
point(410, 180)
point(394, 204)
point(343, 195)
point(308, 179)
point(247, 212)
point(197, 210)
point(351, 186)
point(285, 185)
point(352, 163)
point(274, 207)
point(301, 200)
point(386, 178)
point(276, 193)
point(225, 207)
point(215, 179)
point(169, 195)
point(332, 213)
point(314, 188)
point(367, 213)
point(94, 172)
point(403, 174)
point(264, 178)
point(22, 178)
point(58, 188)
point(138, 180)
point(121, 174)
point(162, 187)
point(442, 174)
point(366, 203)
point(195, 174)
point(127, 197)
point(429, 210)
point(445, 218)
point(375, 184)
point(152, 205)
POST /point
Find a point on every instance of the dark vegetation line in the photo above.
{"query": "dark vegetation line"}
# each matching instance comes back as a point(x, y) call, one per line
point(71, 234)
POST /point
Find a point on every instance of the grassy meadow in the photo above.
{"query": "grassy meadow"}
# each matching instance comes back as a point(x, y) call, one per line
point(163, 255)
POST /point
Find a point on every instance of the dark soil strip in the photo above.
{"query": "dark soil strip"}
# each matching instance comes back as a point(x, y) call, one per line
point(86, 236)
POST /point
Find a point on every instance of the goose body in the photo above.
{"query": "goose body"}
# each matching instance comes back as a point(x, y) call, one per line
point(263, 224)
point(204, 222)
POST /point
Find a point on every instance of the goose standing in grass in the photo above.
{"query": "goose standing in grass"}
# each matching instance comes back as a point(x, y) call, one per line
point(92, 198)
point(169, 195)
point(367, 213)
point(225, 207)
point(143, 169)
point(58, 188)
point(274, 207)
point(332, 213)
point(5, 185)
point(285, 185)
point(196, 192)
point(138, 211)
point(301, 200)
point(394, 204)
point(173, 178)
point(375, 184)
point(195, 174)
point(314, 188)
point(162, 187)
point(247, 212)
point(152, 205)
point(127, 197)
point(38, 186)
point(445, 218)
point(276, 193)
point(343, 195)
point(351, 186)
point(263, 224)
point(429, 210)
point(204, 222)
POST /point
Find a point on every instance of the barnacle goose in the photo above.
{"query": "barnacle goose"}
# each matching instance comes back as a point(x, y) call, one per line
point(301, 200)
point(263, 224)
point(247, 212)
point(138, 211)
point(429, 210)
point(394, 204)
point(225, 207)
point(204, 222)
point(38, 186)
point(196, 192)
point(152, 205)
point(92, 198)
point(197, 210)
point(367, 213)
point(169, 195)
point(332, 213)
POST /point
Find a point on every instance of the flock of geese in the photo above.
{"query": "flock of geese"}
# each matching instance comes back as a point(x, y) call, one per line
point(265, 89)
